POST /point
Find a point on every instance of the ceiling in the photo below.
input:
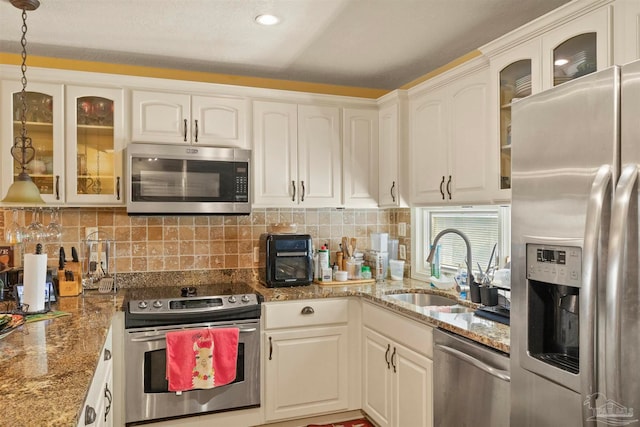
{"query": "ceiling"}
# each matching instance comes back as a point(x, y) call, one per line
point(381, 44)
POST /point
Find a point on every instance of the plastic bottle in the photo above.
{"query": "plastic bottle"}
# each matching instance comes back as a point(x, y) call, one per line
point(323, 259)
point(366, 272)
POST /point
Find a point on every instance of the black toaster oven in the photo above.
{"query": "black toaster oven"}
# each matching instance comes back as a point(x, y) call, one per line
point(285, 259)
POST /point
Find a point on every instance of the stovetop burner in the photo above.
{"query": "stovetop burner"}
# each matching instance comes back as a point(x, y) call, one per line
point(166, 305)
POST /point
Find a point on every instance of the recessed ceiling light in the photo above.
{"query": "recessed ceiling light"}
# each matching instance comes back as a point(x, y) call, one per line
point(267, 19)
point(561, 62)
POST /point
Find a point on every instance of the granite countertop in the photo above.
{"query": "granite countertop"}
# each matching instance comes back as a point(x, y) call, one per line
point(487, 332)
point(47, 366)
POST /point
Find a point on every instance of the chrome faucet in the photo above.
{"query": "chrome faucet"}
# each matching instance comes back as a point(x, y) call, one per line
point(466, 241)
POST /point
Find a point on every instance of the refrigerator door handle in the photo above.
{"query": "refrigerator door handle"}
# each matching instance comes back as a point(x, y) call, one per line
point(598, 207)
point(615, 280)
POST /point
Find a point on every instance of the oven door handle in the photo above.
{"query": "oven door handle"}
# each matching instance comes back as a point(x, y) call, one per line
point(163, 335)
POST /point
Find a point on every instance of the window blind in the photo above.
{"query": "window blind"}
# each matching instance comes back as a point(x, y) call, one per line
point(481, 227)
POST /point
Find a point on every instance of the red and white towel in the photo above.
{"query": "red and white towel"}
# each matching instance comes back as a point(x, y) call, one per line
point(201, 358)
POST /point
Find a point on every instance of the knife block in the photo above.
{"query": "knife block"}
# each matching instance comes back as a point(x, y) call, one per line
point(70, 288)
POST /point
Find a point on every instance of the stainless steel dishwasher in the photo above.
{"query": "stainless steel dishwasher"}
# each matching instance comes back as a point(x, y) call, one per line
point(471, 383)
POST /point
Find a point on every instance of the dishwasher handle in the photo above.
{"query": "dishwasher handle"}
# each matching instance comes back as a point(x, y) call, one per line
point(498, 373)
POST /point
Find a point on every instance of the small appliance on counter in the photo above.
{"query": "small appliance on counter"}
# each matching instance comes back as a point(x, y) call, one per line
point(286, 259)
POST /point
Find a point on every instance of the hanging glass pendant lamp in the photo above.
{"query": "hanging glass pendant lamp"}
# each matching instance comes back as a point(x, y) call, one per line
point(23, 190)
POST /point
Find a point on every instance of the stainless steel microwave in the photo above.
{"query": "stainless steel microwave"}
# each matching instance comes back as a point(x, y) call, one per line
point(187, 180)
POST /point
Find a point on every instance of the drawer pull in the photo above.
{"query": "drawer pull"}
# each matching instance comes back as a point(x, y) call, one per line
point(307, 310)
point(89, 415)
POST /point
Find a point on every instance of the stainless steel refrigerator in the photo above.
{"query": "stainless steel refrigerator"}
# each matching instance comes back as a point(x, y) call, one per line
point(575, 339)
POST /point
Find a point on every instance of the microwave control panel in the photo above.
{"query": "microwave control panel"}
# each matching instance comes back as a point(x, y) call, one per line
point(560, 265)
point(242, 182)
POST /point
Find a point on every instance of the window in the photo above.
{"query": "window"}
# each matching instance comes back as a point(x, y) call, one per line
point(484, 226)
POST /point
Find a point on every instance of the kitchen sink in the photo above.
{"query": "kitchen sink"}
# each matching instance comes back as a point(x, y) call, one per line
point(427, 300)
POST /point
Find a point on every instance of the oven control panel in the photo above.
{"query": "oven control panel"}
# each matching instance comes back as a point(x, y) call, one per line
point(183, 305)
point(560, 265)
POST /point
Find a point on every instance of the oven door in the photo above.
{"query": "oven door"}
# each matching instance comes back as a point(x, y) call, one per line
point(147, 395)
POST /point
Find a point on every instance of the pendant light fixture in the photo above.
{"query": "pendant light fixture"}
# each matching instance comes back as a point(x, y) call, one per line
point(23, 190)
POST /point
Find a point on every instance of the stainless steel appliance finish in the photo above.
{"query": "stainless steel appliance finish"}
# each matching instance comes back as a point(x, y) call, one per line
point(152, 313)
point(574, 274)
point(185, 179)
point(286, 259)
point(470, 383)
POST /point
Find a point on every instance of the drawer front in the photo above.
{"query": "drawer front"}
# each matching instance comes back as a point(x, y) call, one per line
point(410, 333)
point(292, 314)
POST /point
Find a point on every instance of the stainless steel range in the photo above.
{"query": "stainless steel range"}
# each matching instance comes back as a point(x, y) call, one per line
point(152, 312)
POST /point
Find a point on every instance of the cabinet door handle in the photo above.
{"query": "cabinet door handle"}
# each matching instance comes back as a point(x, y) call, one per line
point(109, 397)
point(107, 354)
point(117, 188)
point(307, 310)
point(449, 186)
point(441, 184)
point(270, 348)
point(393, 359)
point(89, 415)
point(293, 184)
point(386, 356)
point(57, 187)
point(196, 130)
point(303, 191)
point(393, 196)
point(185, 130)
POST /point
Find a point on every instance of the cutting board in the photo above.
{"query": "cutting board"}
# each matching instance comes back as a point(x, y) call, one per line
point(346, 283)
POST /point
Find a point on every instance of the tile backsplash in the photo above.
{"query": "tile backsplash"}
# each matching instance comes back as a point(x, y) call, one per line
point(181, 243)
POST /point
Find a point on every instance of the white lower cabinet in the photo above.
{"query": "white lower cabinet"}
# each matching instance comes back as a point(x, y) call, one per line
point(397, 372)
point(97, 409)
point(306, 358)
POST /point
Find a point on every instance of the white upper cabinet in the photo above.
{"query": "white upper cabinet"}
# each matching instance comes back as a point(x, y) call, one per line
point(515, 74)
point(580, 46)
point(360, 158)
point(570, 42)
point(182, 118)
point(392, 183)
point(626, 31)
point(94, 145)
point(45, 126)
point(449, 135)
point(297, 158)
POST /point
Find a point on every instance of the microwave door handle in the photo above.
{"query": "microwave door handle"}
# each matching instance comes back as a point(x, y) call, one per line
point(615, 280)
point(598, 208)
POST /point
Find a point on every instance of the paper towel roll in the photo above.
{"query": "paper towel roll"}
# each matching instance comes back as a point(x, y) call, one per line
point(35, 277)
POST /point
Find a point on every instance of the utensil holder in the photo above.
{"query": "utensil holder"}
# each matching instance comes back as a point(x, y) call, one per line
point(488, 295)
point(474, 292)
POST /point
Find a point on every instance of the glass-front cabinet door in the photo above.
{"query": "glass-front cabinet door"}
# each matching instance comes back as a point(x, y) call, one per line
point(515, 84)
point(574, 58)
point(577, 48)
point(44, 124)
point(94, 145)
